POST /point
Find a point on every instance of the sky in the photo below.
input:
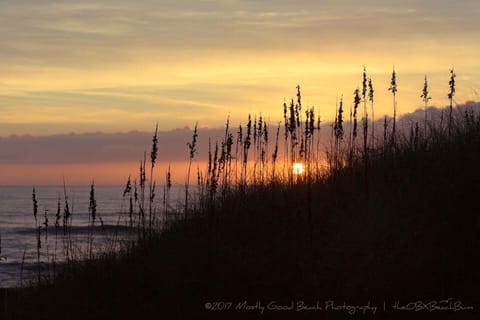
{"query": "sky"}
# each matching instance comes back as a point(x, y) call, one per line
point(115, 66)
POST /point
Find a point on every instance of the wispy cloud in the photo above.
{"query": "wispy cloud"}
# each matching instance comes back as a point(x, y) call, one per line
point(178, 61)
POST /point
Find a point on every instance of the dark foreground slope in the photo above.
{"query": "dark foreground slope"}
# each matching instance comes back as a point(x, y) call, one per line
point(408, 232)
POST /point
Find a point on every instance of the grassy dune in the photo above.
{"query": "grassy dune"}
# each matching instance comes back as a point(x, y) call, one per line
point(408, 231)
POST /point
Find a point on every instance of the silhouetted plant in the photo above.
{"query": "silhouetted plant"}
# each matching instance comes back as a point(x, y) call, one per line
point(365, 113)
point(246, 148)
point(128, 191)
point(47, 253)
point(451, 94)
point(393, 89)
point(338, 130)
point(371, 93)
point(425, 98)
point(92, 212)
point(192, 146)
point(275, 151)
point(153, 158)
point(58, 217)
point(356, 102)
point(38, 230)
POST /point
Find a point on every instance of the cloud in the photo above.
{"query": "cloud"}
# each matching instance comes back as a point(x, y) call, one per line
point(130, 147)
point(100, 147)
point(79, 35)
point(120, 65)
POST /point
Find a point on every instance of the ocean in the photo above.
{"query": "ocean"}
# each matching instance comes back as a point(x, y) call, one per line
point(19, 232)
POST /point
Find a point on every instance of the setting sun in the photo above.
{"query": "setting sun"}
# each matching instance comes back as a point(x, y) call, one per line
point(298, 168)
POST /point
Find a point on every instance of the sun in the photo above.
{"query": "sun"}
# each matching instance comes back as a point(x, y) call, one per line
point(298, 168)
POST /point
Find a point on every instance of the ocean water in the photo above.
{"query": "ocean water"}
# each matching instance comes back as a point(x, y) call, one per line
point(18, 230)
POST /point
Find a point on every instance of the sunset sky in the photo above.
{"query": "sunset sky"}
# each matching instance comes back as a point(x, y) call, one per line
point(117, 66)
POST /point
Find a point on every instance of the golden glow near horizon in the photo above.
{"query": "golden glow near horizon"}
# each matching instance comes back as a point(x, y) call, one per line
point(298, 168)
point(117, 66)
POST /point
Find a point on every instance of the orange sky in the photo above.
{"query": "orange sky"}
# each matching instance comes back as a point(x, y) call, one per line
point(113, 173)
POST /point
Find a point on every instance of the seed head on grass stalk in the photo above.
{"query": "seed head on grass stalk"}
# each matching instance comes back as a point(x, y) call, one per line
point(209, 165)
point(356, 103)
point(298, 106)
point(58, 214)
point(199, 177)
point(214, 175)
point(364, 94)
point(238, 148)
point(260, 127)
point(166, 195)
point(93, 203)
point(338, 131)
point(153, 158)
point(128, 191)
point(286, 131)
point(192, 146)
point(67, 218)
point(365, 113)
point(246, 147)
point(35, 206)
point(38, 229)
point(128, 187)
point(425, 98)
point(225, 154)
point(265, 132)
point(169, 178)
point(294, 123)
point(38, 233)
point(262, 143)
point(309, 133)
point(255, 135)
point(393, 89)
point(130, 211)
point(275, 150)
point(229, 155)
point(92, 210)
point(312, 121)
point(364, 83)
point(306, 132)
point(339, 121)
point(154, 152)
point(451, 94)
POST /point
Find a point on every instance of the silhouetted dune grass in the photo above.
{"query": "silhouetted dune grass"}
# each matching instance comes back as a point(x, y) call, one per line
point(393, 219)
point(406, 231)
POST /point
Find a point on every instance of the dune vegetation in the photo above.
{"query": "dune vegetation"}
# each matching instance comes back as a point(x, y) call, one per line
point(381, 214)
